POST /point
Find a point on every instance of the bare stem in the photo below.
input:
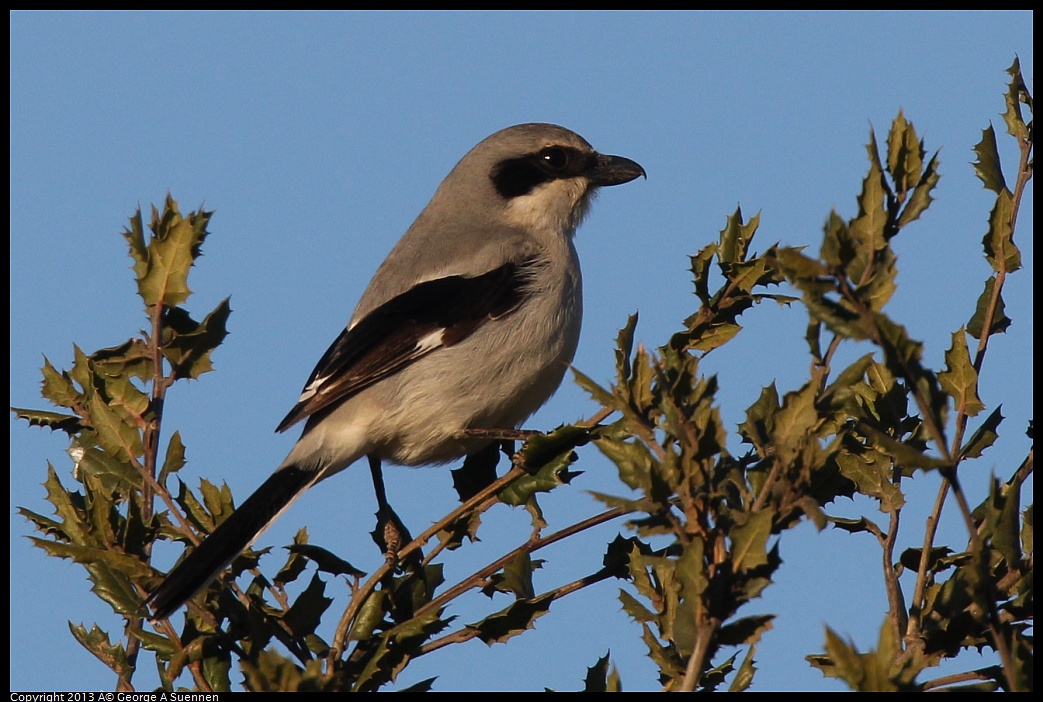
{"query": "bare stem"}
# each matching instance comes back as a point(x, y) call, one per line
point(468, 633)
point(704, 633)
point(530, 546)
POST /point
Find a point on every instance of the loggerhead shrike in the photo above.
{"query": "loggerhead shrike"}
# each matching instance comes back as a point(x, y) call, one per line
point(469, 323)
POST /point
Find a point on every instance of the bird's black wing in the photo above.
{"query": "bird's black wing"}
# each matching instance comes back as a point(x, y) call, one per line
point(428, 316)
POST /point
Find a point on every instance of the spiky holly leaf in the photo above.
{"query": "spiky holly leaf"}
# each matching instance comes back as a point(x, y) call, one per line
point(987, 167)
point(959, 379)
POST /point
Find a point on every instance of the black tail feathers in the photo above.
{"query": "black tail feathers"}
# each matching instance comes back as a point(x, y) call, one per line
point(229, 539)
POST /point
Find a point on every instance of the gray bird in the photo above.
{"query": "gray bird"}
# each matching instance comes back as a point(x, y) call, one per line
point(470, 323)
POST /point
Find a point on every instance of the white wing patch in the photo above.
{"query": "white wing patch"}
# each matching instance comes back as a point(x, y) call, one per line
point(312, 389)
point(430, 342)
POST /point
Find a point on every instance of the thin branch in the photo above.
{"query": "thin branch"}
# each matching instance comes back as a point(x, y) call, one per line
point(467, 633)
point(895, 600)
point(704, 633)
point(969, 676)
point(912, 629)
point(150, 449)
point(530, 546)
point(363, 593)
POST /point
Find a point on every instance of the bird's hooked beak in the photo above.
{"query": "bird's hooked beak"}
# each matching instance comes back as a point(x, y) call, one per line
point(614, 170)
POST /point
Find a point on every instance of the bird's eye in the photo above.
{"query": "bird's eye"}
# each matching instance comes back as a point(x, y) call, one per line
point(555, 157)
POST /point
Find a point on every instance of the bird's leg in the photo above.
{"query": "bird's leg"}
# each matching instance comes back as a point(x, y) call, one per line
point(390, 534)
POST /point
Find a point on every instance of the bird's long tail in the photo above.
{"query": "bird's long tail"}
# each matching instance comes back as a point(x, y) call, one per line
point(230, 538)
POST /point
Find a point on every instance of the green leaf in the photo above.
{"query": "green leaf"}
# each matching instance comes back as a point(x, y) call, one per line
point(81, 372)
point(798, 267)
point(513, 620)
point(477, 472)
point(551, 475)
point(69, 423)
point(847, 382)
point(984, 436)
point(836, 248)
point(904, 154)
point(1000, 250)
point(117, 433)
point(813, 336)
point(218, 500)
point(1001, 520)
point(193, 509)
point(714, 336)
point(102, 555)
point(939, 559)
point(424, 685)
point(602, 678)
point(268, 671)
point(541, 449)
point(70, 509)
point(867, 229)
point(877, 291)
point(744, 675)
point(132, 358)
point(113, 587)
point(921, 198)
point(188, 344)
point(370, 616)
point(735, 238)
point(689, 569)
point(635, 609)
point(701, 272)
point(760, 420)
point(1000, 321)
point(959, 379)
point(987, 167)
point(114, 473)
point(1017, 94)
point(295, 563)
point(114, 656)
point(624, 349)
point(44, 525)
point(746, 630)
point(600, 395)
point(750, 541)
point(847, 663)
point(852, 526)
point(326, 561)
point(871, 471)
point(838, 318)
point(135, 236)
point(58, 387)
point(175, 458)
point(305, 613)
point(746, 275)
point(715, 676)
point(516, 578)
point(902, 356)
point(793, 423)
point(171, 251)
point(632, 458)
point(164, 648)
point(901, 453)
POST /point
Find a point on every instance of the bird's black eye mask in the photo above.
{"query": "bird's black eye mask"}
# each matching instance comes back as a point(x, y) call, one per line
point(514, 177)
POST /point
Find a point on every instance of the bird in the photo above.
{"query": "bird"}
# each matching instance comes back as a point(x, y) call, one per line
point(469, 323)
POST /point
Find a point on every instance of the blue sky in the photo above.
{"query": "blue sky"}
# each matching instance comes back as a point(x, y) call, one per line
point(318, 137)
